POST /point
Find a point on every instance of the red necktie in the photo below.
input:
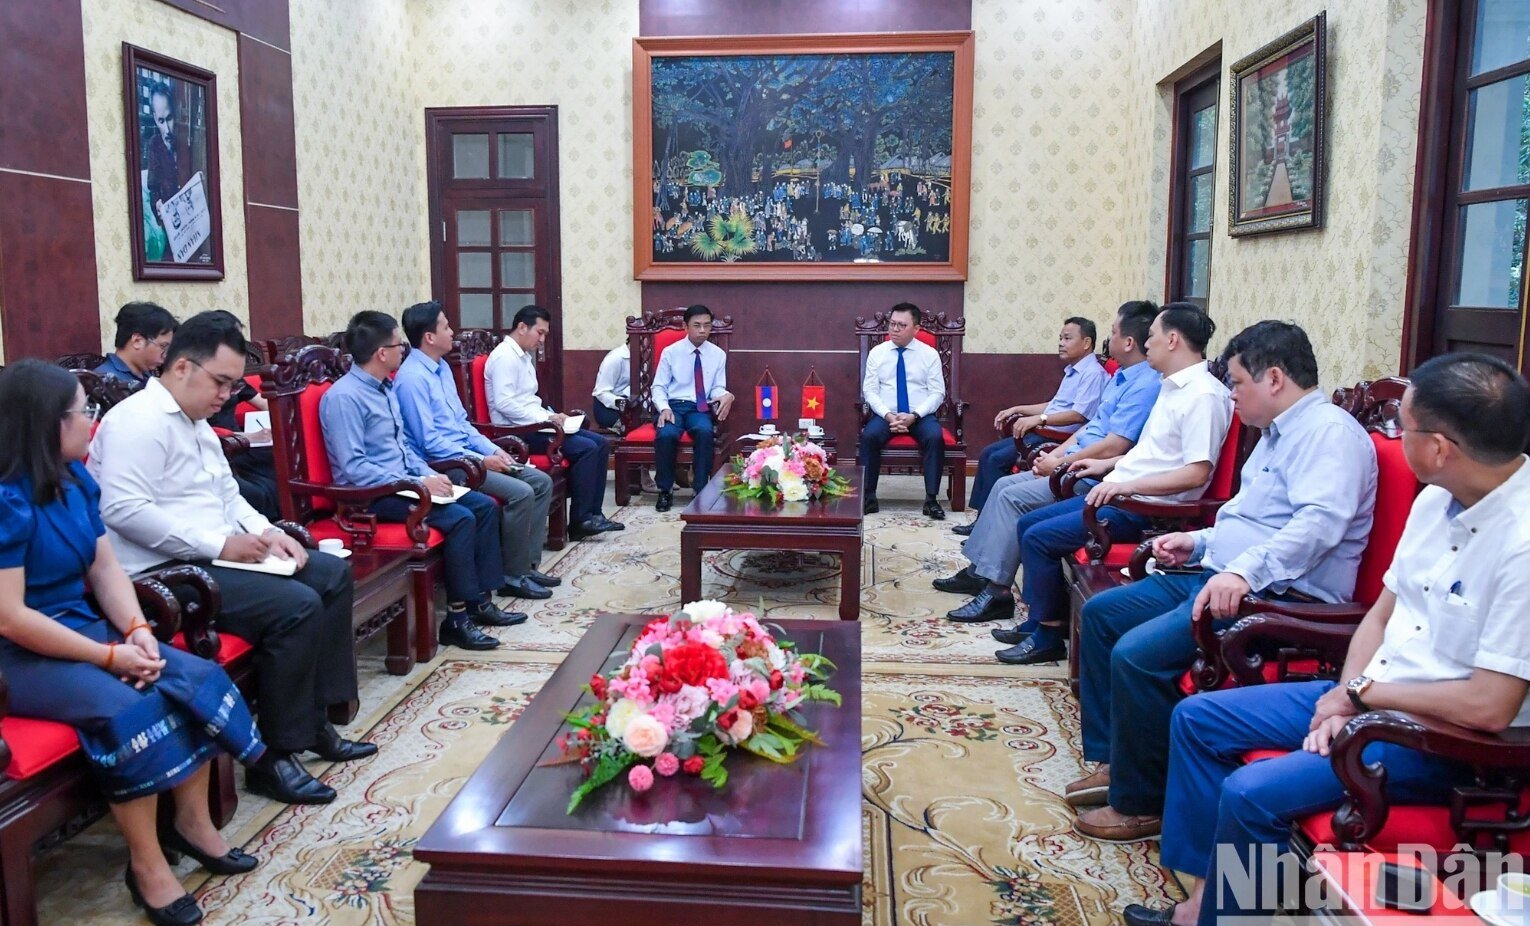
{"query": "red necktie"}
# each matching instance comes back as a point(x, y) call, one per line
point(701, 386)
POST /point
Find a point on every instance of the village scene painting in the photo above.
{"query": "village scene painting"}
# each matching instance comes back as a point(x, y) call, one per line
point(804, 158)
point(1278, 133)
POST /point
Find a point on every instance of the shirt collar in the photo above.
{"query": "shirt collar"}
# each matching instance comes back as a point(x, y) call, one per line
point(514, 347)
point(370, 380)
point(1082, 364)
point(161, 397)
point(1507, 498)
point(1141, 368)
point(1183, 377)
point(420, 358)
point(1287, 418)
point(121, 366)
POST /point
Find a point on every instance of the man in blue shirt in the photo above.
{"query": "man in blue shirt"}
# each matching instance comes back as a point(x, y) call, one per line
point(364, 437)
point(994, 547)
point(690, 385)
point(436, 428)
point(1298, 524)
point(143, 335)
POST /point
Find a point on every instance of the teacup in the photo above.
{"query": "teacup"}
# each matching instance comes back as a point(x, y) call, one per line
point(767, 429)
point(1514, 897)
point(332, 545)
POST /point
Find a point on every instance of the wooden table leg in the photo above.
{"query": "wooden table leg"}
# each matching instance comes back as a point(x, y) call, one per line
point(690, 566)
point(850, 582)
point(400, 658)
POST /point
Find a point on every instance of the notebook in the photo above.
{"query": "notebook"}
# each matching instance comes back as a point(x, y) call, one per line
point(457, 492)
point(573, 423)
point(271, 565)
point(258, 421)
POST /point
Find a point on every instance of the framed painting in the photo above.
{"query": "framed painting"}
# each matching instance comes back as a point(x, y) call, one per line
point(802, 157)
point(1279, 114)
point(170, 109)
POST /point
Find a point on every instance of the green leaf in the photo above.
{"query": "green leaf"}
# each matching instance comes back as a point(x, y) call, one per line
point(605, 770)
point(785, 724)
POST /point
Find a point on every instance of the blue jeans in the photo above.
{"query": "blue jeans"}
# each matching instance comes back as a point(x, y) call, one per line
point(1048, 535)
point(471, 556)
point(932, 448)
point(666, 445)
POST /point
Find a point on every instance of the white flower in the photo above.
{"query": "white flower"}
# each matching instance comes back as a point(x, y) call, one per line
point(621, 714)
point(775, 656)
point(704, 610)
point(794, 491)
point(743, 727)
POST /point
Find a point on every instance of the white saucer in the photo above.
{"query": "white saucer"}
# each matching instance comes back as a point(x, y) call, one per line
point(1485, 905)
point(343, 554)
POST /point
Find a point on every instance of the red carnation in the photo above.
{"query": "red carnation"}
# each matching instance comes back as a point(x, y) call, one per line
point(598, 686)
point(693, 765)
point(728, 718)
point(694, 663)
point(668, 683)
point(775, 679)
point(746, 699)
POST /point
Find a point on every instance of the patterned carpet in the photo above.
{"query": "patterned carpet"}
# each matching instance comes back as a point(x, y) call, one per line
point(965, 760)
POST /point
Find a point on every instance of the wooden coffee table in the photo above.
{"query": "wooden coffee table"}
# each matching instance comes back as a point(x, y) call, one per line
point(781, 844)
point(715, 521)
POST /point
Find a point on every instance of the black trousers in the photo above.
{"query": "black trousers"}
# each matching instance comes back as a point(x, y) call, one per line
point(305, 653)
point(255, 471)
point(588, 454)
point(473, 565)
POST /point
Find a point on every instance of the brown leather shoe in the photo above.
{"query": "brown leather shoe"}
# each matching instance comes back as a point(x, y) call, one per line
point(1089, 791)
point(1107, 824)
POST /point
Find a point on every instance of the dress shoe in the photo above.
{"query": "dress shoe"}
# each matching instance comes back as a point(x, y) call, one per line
point(985, 607)
point(666, 501)
point(543, 579)
point(182, 911)
point(606, 524)
point(965, 582)
point(234, 862)
point(523, 587)
point(487, 615)
point(1106, 824)
point(283, 778)
point(1138, 915)
point(933, 510)
point(585, 529)
point(1009, 636)
point(1028, 653)
point(871, 506)
point(964, 530)
point(1090, 791)
point(336, 748)
point(459, 631)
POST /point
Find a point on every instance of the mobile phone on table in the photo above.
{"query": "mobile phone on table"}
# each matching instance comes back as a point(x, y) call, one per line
point(1405, 887)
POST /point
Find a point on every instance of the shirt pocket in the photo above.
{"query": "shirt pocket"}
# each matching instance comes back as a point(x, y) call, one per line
point(1455, 629)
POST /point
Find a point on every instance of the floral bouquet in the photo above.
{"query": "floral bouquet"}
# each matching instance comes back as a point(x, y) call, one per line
point(697, 683)
point(793, 469)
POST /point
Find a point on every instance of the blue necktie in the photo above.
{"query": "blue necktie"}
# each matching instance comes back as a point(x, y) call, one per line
point(903, 408)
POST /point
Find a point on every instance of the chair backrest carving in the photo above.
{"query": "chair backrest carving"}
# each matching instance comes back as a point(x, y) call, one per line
point(84, 361)
point(279, 348)
point(470, 352)
point(648, 335)
point(1374, 403)
point(945, 335)
point(293, 388)
point(104, 391)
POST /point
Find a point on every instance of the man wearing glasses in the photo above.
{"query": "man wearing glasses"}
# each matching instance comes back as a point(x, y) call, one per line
point(903, 388)
point(168, 496)
point(143, 335)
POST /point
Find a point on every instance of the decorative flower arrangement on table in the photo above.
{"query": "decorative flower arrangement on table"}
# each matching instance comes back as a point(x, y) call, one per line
point(792, 469)
point(697, 684)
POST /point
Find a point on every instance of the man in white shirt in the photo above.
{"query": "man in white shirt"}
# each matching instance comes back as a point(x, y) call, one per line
point(689, 386)
point(168, 496)
point(1447, 639)
point(904, 388)
point(612, 388)
point(510, 379)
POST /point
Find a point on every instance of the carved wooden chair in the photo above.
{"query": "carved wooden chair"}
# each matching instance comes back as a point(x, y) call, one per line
point(648, 336)
point(1050, 437)
point(85, 361)
point(279, 348)
point(901, 454)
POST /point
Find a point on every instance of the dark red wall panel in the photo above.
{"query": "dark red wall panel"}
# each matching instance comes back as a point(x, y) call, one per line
point(267, 20)
point(42, 89)
point(269, 133)
point(276, 280)
point(47, 267)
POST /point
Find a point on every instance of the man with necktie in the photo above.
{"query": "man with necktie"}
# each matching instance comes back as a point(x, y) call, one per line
point(690, 385)
point(903, 387)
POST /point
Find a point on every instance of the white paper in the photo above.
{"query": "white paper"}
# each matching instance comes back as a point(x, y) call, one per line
point(273, 564)
point(186, 219)
point(457, 492)
point(257, 421)
point(573, 423)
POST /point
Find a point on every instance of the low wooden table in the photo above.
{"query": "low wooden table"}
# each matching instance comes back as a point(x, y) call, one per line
point(780, 845)
point(383, 601)
point(715, 521)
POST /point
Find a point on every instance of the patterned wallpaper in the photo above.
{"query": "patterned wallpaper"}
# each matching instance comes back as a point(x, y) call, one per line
point(164, 29)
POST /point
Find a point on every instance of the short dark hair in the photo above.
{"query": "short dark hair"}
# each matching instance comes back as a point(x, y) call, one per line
point(421, 319)
point(1479, 401)
point(1136, 319)
point(1267, 344)
point(160, 88)
point(199, 337)
point(1191, 321)
point(529, 315)
point(147, 319)
point(366, 332)
point(910, 308)
point(34, 398)
point(695, 310)
point(1085, 327)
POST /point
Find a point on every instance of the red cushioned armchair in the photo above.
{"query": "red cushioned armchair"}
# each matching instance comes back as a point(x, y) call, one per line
point(648, 336)
point(1050, 437)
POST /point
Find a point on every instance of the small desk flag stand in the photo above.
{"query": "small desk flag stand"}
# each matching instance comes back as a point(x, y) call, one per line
point(813, 399)
point(765, 397)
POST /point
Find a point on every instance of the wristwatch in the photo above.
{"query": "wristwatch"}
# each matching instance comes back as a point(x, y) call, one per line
point(1042, 418)
point(1357, 687)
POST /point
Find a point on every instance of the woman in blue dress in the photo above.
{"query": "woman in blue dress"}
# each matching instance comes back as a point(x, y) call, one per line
point(148, 718)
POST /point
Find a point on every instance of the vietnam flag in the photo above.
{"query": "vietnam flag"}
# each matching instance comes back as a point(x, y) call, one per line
point(765, 402)
point(812, 401)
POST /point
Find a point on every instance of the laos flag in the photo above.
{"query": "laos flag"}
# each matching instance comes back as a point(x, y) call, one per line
point(765, 402)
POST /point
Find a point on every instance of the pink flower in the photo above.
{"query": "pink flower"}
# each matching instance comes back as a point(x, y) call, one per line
point(664, 712)
point(645, 736)
point(640, 778)
point(721, 690)
point(666, 764)
point(739, 726)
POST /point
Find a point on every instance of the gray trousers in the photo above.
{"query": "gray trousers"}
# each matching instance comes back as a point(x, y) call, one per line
point(523, 518)
point(994, 548)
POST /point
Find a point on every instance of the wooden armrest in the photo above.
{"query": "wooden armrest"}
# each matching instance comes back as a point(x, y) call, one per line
point(297, 532)
point(160, 607)
point(1136, 567)
point(473, 472)
point(200, 602)
point(361, 525)
point(234, 444)
point(514, 446)
point(555, 435)
point(1241, 648)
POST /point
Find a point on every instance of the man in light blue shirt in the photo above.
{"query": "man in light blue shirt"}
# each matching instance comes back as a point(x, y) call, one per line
point(689, 386)
point(1299, 523)
point(436, 428)
point(364, 438)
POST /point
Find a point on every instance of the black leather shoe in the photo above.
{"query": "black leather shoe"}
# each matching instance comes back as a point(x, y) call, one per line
point(589, 527)
point(965, 582)
point(665, 502)
point(523, 587)
point(1009, 636)
point(871, 506)
point(283, 778)
point(606, 524)
point(487, 615)
point(336, 748)
point(933, 510)
point(236, 862)
point(964, 530)
point(543, 579)
point(985, 607)
point(1027, 653)
point(1138, 915)
point(458, 631)
point(182, 911)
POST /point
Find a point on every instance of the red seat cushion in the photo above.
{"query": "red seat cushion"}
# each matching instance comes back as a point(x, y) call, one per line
point(36, 744)
point(1221, 485)
point(1119, 554)
point(647, 433)
point(1270, 671)
point(906, 441)
point(387, 537)
point(230, 647)
point(1412, 824)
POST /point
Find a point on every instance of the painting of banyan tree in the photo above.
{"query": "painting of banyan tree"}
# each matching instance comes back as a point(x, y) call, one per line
point(830, 157)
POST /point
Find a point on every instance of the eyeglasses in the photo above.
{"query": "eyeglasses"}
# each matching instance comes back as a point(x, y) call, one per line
point(90, 410)
point(161, 344)
point(225, 384)
point(395, 344)
point(899, 326)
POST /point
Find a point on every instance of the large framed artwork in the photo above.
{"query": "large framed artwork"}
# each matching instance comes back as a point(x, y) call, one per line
point(802, 157)
point(1279, 133)
point(171, 113)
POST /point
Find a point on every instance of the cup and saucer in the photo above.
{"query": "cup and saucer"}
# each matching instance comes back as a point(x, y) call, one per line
point(334, 547)
point(1506, 905)
point(769, 430)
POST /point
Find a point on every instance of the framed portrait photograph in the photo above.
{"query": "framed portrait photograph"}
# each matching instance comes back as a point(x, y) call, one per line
point(171, 113)
point(1279, 133)
point(802, 157)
